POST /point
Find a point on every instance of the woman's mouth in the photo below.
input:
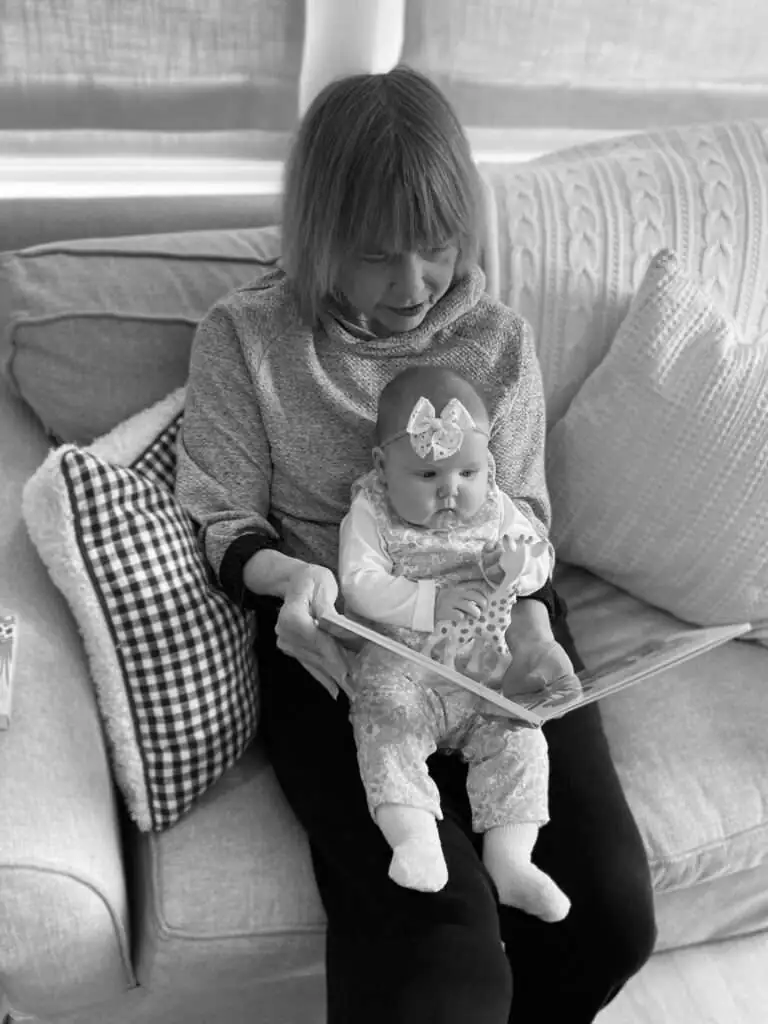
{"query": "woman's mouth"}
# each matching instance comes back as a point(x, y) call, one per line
point(408, 312)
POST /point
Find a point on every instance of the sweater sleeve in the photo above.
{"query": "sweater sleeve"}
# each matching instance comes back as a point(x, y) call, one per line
point(367, 583)
point(518, 436)
point(224, 469)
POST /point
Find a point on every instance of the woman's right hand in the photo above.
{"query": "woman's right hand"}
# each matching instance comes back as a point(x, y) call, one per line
point(310, 593)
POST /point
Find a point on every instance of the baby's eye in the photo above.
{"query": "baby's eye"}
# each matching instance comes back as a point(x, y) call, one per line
point(373, 257)
point(427, 474)
point(469, 473)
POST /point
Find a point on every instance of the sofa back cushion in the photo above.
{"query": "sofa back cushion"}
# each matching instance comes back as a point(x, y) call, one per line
point(577, 229)
point(95, 330)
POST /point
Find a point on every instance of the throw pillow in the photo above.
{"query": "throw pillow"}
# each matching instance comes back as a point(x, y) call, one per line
point(658, 472)
point(171, 657)
point(93, 331)
point(577, 228)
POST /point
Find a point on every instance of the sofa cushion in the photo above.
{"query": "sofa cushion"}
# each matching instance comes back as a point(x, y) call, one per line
point(171, 656)
point(95, 330)
point(689, 746)
point(658, 471)
point(576, 230)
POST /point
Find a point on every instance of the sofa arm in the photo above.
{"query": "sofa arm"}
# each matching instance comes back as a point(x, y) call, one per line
point(63, 900)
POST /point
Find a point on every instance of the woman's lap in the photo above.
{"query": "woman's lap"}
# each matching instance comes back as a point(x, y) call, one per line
point(395, 955)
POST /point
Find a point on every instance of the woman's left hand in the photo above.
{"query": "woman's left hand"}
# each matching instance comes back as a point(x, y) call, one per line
point(539, 664)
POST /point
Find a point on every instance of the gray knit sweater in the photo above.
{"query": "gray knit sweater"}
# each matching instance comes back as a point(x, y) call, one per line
point(279, 418)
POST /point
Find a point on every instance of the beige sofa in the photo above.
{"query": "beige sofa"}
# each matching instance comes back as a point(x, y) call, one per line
point(218, 918)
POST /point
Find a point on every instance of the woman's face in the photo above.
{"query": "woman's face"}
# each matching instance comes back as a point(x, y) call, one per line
point(395, 290)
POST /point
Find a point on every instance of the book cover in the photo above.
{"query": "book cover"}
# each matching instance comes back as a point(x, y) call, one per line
point(645, 660)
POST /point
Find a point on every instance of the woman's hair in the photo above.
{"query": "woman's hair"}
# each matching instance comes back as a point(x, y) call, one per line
point(380, 163)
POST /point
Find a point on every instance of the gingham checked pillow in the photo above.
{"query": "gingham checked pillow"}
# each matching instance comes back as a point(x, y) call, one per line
point(171, 657)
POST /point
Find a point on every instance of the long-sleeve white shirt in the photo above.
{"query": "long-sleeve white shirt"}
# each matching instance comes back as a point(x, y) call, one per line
point(372, 591)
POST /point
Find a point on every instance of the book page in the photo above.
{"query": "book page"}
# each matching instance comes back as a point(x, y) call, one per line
point(353, 634)
point(647, 659)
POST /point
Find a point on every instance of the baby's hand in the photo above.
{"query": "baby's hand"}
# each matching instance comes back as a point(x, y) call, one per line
point(464, 599)
point(506, 559)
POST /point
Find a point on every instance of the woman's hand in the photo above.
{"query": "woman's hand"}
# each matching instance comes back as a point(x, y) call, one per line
point(540, 665)
point(310, 592)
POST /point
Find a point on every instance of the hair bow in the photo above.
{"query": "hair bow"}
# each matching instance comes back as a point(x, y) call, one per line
point(439, 436)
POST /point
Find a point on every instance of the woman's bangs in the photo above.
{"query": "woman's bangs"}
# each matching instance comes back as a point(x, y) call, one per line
point(407, 208)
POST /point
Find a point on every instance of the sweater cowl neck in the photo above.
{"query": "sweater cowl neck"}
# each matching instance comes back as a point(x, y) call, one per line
point(343, 328)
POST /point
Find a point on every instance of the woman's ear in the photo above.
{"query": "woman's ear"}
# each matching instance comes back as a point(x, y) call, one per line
point(378, 462)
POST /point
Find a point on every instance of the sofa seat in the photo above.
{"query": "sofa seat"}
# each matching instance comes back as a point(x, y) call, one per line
point(230, 890)
point(225, 912)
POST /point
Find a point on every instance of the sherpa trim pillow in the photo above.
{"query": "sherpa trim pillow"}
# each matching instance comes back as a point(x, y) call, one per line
point(658, 472)
point(171, 656)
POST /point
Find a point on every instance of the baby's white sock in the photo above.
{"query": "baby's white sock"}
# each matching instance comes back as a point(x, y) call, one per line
point(417, 854)
point(507, 856)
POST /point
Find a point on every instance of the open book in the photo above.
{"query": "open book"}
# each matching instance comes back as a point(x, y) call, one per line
point(647, 659)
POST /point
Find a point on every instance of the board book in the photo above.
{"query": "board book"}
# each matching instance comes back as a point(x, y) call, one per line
point(649, 658)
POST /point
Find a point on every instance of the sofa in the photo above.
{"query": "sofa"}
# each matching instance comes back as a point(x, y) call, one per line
point(217, 918)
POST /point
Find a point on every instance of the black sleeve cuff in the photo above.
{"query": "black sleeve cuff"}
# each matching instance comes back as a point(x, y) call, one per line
point(555, 605)
point(232, 567)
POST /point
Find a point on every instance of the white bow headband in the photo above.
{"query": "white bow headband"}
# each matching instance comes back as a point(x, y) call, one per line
point(439, 436)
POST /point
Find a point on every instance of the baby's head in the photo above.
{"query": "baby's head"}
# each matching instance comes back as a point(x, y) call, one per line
point(381, 200)
point(432, 447)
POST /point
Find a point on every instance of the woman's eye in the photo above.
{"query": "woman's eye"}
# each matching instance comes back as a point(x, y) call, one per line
point(434, 251)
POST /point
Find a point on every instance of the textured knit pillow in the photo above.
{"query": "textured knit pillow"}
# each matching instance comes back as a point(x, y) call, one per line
point(659, 470)
point(171, 657)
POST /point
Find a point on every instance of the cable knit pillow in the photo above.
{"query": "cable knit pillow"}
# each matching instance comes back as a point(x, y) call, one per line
point(577, 228)
point(171, 657)
point(658, 472)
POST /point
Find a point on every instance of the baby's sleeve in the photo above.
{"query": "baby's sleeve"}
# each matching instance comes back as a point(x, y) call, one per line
point(540, 562)
point(366, 576)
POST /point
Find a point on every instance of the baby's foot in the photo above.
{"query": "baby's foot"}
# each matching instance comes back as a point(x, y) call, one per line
point(519, 882)
point(417, 864)
point(526, 887)
point(417, 854)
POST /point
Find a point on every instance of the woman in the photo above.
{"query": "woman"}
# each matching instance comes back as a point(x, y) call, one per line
point(380, 242)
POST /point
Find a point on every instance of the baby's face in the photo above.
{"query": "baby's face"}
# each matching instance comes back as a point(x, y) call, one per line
point(436, 495)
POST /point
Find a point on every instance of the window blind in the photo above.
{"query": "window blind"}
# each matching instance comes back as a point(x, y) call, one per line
point(150, 65)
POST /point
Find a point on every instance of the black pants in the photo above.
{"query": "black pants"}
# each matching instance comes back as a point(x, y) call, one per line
point(395, 956)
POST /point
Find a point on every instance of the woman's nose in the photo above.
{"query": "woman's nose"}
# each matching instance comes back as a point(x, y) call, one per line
point(408, 275)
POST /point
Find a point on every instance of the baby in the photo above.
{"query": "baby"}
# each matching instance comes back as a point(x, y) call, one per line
point(421, 551)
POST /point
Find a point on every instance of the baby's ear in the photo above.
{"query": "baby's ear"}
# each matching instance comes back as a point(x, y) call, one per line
point(378, 462)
